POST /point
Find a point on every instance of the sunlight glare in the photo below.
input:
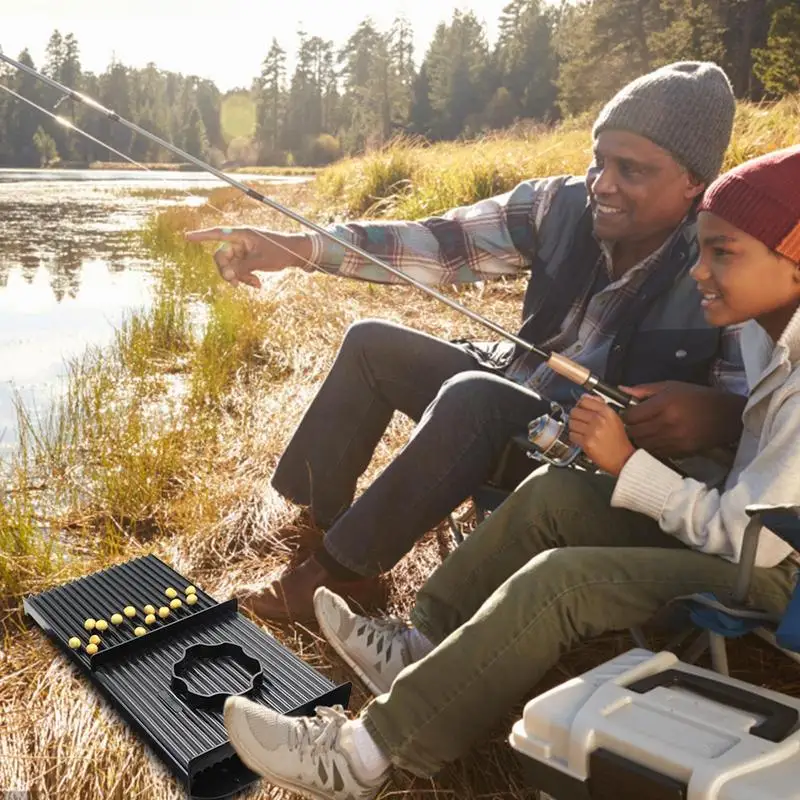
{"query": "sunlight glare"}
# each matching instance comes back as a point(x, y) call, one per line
point(237, 117)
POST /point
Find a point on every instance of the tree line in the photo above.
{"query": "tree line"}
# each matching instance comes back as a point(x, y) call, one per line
point(549, 61)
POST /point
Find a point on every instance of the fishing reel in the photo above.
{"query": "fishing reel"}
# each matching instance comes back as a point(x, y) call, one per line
point(548, 441)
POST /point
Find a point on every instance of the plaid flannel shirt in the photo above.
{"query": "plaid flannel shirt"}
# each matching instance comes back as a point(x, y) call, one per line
point(477, 243)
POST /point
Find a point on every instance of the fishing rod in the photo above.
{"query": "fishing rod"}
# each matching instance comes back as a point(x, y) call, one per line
point(566, 367)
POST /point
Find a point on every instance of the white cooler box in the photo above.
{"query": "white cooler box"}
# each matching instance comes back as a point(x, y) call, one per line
point(646, 726)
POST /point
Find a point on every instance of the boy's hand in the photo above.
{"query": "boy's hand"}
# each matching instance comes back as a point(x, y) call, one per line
point(599, 432)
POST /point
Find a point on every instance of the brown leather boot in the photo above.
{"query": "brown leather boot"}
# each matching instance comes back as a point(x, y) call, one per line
point(301, 537)
point(291, 597)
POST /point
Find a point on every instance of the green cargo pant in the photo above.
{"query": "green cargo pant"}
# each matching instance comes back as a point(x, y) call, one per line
point(553, 566)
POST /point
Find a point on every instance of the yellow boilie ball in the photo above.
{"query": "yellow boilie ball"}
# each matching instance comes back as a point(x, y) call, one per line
point(94, 639)
point(101, 625)
point(175, 603)
point(91, 649)
point(129, 611)
point(89, 624)
point(139, 631)
point(148, 609)
point(170, 592)
point(190, 590)
point(163, 612)
point(74, 642)
point(150, 619)
point(191, 599)
point(116, 619)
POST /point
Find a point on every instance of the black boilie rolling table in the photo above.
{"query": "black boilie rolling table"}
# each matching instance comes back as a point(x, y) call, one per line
point(170, 684)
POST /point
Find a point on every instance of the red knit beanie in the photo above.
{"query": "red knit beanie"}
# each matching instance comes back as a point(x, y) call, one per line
point(762, 198)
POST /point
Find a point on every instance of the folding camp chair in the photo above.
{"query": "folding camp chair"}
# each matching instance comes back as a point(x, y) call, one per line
point(730, 617)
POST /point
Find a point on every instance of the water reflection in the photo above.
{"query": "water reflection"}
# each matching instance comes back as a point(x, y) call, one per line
point(58, 218)
point(71, 269)
point(47, 318)
point(57, 227)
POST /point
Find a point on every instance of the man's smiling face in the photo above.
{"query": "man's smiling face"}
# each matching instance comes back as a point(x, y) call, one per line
point(637, 189)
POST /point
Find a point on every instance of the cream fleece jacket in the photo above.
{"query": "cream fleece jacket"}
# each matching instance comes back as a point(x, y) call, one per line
point(766, 468)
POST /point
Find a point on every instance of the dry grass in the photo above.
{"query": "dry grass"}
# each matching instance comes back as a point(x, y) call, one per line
point(207, 509)
point(166, 444)
point(408, 180)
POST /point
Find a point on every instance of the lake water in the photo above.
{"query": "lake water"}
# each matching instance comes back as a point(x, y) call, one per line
point(70, 271)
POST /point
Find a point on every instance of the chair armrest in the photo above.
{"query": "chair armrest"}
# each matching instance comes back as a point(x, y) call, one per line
point(782, 520)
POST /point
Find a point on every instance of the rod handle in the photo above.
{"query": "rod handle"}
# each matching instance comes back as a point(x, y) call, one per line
point(615, 394)
point(569, 369)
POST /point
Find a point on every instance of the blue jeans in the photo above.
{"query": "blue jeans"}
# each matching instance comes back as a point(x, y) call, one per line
point(465, 414)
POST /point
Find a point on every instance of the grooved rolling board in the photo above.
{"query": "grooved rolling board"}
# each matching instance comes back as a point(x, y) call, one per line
point(135, 673)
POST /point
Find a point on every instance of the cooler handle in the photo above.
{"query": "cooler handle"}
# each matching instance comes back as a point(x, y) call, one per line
point(779, 720)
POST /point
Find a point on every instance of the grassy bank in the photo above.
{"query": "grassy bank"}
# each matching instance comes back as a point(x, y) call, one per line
point(186, 167)
point(288, 171)
point(165, 443)
point(407, 180)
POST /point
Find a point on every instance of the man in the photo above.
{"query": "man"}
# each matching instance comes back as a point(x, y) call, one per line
point(609, 258)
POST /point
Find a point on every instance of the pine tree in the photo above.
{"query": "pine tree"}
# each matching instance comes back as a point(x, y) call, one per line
point(457, 69)
point(195, 141)
point(53, 62)
point(777, 65)
point(23, 121)
point(526, 60)
point(687, 30)
point(420, 117)
point(6, 102)
point(604, 44)
point(363, 62)
point(271, 102)
point(300, 98)
point(401, 59)
point(70, 75)
point(209, 99)
point(746, 25)
point(149, 106)
point(115, 93)
point(54, 56)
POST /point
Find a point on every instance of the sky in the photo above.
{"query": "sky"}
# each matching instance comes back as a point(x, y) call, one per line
point(224, 40)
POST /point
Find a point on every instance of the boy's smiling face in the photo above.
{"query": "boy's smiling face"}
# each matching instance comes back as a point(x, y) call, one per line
point(740, 278)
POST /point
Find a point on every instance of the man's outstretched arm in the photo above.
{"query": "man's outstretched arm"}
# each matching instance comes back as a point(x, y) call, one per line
point(490, 239)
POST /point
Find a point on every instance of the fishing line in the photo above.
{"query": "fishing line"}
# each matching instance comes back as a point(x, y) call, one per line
point(158, 175)
point(561, 364)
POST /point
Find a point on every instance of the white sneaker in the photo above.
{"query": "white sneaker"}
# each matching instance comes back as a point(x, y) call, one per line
point(376, 649)
point(299, 754)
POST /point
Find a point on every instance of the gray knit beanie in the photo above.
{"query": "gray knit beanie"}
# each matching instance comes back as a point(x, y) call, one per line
point(687, 108)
